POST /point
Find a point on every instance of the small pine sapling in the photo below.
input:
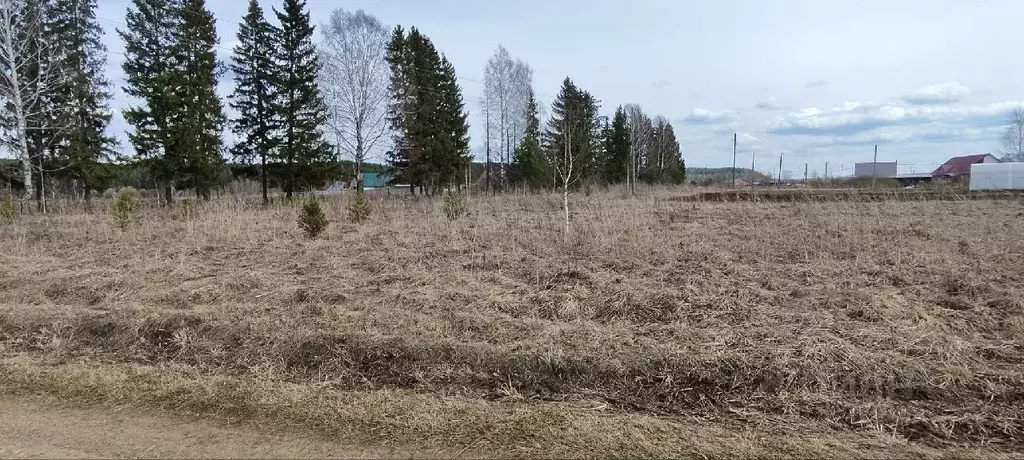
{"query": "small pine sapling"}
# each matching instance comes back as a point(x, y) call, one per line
point(126, 209)
point(359, 209)
point(312, 219)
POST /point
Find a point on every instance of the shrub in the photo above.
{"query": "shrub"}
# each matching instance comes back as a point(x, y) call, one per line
point(359, 209)
point(126, 208)
point(7, 209)
point(312, 219)
point(454, 205)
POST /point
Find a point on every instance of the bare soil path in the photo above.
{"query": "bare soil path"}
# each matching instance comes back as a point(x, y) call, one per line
point(37, 428)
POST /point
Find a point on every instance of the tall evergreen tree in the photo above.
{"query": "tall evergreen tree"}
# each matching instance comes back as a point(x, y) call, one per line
point(616, 162)
point(199, 111)
point(422, 140)
point(400, 108)
point(427, 114)
point(303, 150)
point(529, 165)
point(452, 155)
point(663, 162)
point(83, 96)
point(253, 65)
point(150, 38)
point(572, 135)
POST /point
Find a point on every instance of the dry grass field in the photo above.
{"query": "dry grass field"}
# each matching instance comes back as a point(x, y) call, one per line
point(663, 326)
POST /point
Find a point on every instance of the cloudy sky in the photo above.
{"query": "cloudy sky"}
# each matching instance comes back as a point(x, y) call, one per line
point(818, 80)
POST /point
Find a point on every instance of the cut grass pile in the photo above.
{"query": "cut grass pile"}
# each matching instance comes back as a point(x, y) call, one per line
point(799, 327)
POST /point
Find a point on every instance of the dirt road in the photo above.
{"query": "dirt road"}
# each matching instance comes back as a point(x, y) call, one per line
point(32, 428)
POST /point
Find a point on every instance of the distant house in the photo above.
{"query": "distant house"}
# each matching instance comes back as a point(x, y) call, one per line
point(959, 168)
point(375, 180)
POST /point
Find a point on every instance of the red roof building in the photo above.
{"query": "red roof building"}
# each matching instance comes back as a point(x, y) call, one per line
point(960, 167)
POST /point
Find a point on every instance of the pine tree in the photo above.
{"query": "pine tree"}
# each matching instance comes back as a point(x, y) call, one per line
point(616, 148)
point(253, 66)
point(303, 150)
point(150, 37)
point(197, 135)
point(84, 95)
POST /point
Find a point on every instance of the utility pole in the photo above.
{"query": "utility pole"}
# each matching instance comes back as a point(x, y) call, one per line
point(826, 170)
point(779, 183)
point(805, 173)
point(874, 167)
point(733, 160)
point(751, 169)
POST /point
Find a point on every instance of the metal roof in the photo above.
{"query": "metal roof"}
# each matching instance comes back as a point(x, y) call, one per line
point(375, 180)
point(958, 166)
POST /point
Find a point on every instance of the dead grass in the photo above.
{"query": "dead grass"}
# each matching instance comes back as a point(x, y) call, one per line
point(856, 326)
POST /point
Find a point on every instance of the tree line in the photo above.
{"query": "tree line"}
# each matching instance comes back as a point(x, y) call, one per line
point(299, 110)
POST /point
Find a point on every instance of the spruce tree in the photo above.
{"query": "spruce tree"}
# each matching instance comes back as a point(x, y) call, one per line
point(572, 135)
point(427, 114)
point(401, 105)
point(303, 150)
point(253, 66)
point(422, 139)
point(671, 169)
point(150, 37)
point(84, 95)
point(198, 133)
point(616, 148)
point(529, 162)
point(452, 127)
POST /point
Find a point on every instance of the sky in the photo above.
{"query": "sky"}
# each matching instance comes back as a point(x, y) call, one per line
point(813, 80)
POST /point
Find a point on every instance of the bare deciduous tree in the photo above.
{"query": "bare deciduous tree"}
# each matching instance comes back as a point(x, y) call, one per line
point(354, 80)
point(1013, 137)
point(507, 85)
point(27, 76)
point(640, 131)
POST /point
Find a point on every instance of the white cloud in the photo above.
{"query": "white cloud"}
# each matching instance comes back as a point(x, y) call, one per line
point(770, 104)
point(747, 138)
point(854, 117)
point(943, 93)
point(815, 84)
point(701, 116)
point(927, 133)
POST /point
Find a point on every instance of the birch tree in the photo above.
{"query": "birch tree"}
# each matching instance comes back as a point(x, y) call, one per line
point(507, 88)
point(354, 80)
point(640, 131)
point(570, 139)
point(1013, 137)
point(26, 79)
